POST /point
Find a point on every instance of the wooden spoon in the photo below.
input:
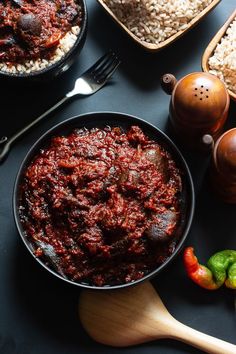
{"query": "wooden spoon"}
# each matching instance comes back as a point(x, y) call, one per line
point(136, 315)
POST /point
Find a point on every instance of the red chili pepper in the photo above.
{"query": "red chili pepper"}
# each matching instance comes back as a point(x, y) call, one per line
point(53, 40)
point(200, 274)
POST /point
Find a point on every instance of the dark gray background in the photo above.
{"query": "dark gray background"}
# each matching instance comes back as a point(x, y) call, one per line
point(38, 313)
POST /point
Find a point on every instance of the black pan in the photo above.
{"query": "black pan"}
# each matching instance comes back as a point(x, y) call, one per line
point(56, 69)
point(102, 119)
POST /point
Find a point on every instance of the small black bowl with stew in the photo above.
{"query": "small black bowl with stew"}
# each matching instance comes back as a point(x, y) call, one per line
point(104, 200)
point(40, 39)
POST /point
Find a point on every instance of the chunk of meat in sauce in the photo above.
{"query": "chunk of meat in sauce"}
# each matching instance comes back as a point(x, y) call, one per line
point(162, 228)
point(155, 156)
point(29, 26)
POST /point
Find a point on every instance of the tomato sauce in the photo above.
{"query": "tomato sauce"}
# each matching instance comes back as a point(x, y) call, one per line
point(31, 29)
point(106, 201)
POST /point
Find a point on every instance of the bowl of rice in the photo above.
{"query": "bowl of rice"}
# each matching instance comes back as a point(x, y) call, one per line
point(219, 57)
point(40, 39)
point(154, 24)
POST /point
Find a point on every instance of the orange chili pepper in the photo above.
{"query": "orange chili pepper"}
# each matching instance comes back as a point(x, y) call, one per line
point(221, 269)
point(200, 274)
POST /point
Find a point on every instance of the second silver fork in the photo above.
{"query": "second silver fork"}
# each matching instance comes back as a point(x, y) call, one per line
point(87, 84)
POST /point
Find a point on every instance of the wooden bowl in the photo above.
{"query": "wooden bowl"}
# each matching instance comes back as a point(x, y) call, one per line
point(156, 47)
point(212, 46)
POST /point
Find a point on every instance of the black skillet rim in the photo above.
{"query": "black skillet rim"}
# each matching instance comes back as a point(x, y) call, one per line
point(139, 121)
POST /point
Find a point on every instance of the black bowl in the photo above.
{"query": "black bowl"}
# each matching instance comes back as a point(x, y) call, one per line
point(102, 119)
point(58, 67)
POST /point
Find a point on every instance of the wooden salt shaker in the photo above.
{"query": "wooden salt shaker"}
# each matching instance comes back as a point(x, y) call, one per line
point(223, 166)
point(199, 106)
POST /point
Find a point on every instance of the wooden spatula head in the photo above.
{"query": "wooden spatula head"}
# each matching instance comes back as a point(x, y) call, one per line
point(135, 315)
point(124, 317)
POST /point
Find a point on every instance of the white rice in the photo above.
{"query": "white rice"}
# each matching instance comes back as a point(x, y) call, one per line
point(223, 62)
point(154, 21)
point(65, 44)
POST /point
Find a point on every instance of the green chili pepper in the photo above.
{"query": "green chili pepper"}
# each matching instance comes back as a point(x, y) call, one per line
point(221, 269)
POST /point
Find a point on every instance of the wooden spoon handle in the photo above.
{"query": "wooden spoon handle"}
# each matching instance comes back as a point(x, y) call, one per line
point(200, 340)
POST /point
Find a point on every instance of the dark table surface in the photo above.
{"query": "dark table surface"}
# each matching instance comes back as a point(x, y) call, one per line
point(38, 312)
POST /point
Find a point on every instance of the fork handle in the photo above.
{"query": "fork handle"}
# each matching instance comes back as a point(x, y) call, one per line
point(9, 142)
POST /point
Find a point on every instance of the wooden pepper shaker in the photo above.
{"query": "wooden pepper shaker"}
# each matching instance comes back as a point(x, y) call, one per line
point(223, 166)
point(199, 105)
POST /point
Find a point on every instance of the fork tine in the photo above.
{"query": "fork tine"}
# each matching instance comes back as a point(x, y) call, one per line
point(99, 62)
point(110, 57)
point(106, 66)
point(113, 69)
point(107, 73)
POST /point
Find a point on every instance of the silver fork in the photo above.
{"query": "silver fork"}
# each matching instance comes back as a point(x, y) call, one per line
point(87, 84)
